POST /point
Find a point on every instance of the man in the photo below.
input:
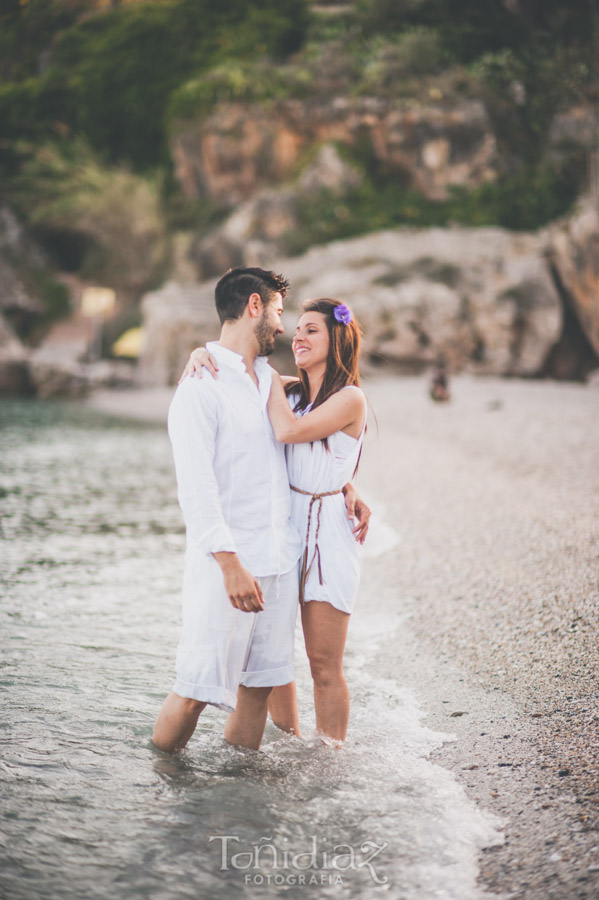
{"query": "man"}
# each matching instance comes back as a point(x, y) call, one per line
point(242, 549)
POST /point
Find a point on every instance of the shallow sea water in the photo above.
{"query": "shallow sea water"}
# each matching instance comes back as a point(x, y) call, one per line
point(91, 563)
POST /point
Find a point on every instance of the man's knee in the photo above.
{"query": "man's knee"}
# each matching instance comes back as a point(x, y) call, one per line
point(187, 706)
point(255, 693)
point(193, 705)
point(252, 698)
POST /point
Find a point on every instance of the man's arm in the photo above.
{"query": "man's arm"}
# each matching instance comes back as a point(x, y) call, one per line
point(243, 590)
point(192, 426)
point(356, 508)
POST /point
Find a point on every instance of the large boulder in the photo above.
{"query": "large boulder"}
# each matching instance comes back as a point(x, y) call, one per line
point(481, 298)
point(485, 300)
point(61, 366)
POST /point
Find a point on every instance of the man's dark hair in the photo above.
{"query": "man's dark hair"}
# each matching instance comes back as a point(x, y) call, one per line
point(235, 288)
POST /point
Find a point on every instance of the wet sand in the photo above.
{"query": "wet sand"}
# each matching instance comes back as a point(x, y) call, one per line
point(492, 595)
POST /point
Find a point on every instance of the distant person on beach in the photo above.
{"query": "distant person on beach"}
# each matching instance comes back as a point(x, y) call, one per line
point(321, 417)
point(439, 389)
point(242, 549)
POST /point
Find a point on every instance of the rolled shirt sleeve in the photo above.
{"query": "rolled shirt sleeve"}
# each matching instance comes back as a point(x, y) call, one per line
point(192, 428)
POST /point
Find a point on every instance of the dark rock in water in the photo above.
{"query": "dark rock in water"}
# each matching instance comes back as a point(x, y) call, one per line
point(73, 379)
point(14, 377)
point(14, 370)
point(55, 379)
point(60, 367)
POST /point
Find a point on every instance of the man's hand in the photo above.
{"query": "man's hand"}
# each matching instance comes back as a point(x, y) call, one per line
point(357, 509)
point(243, 590)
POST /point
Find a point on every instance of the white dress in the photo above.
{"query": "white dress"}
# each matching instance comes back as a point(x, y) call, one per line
point(315, 469)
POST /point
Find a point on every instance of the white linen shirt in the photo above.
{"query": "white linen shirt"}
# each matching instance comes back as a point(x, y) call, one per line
point(231, 473)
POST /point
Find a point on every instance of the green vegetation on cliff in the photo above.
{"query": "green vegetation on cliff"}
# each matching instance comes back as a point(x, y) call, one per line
point(89, 97)
point(524, 200)
point(108, 76)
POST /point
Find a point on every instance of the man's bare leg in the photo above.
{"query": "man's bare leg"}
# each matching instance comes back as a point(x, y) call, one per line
point(282, 706)
point(176, 722)
point(245, 726)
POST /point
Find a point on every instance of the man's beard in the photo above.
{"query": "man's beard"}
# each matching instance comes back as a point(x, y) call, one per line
point(265, 337)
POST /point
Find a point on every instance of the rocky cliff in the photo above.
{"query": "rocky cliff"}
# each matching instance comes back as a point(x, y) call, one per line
point(261, 162)
point(241, 148)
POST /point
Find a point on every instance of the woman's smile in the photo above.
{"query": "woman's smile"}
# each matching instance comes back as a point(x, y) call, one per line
point(311, 340)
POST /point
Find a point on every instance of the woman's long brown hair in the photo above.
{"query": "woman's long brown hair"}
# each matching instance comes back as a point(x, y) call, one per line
point(342, 360)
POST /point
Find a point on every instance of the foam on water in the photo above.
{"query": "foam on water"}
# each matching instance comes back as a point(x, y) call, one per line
point(92, 565)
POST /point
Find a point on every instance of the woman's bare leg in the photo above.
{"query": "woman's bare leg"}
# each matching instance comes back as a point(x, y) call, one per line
point(282, 706)
point(325, 631)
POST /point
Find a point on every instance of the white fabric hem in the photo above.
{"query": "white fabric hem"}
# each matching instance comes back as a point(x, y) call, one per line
point(215, 696)
point(330, 602)
point(268, 677)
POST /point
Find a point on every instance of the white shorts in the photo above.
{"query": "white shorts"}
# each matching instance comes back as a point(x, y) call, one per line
point(222, 647)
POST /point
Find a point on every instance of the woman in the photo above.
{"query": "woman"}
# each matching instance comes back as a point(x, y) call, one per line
point(321, 416)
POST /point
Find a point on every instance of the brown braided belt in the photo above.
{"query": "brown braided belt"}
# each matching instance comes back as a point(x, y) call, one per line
point(305, 570)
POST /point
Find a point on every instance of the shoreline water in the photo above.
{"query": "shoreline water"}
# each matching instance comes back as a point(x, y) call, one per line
point(495, 498)
point(90, 620)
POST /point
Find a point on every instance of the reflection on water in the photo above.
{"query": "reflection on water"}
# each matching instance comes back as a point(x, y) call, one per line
point(91, 566)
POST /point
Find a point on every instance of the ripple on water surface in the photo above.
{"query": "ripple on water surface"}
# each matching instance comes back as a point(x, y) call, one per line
point(91, 566)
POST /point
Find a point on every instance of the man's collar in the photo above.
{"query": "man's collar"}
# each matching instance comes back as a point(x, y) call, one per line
point(226, 356)
point(235, 360)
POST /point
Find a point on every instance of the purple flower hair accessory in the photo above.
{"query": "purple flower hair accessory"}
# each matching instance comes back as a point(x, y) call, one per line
point(343, 314)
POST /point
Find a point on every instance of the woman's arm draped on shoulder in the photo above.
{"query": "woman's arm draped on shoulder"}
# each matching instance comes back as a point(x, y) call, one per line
point(200, 357)
point(340, 411)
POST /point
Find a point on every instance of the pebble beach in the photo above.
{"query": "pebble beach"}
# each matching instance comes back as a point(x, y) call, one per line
point(496, 498)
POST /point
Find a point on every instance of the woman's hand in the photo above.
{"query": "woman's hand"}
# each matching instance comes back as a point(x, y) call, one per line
point(200, 358)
